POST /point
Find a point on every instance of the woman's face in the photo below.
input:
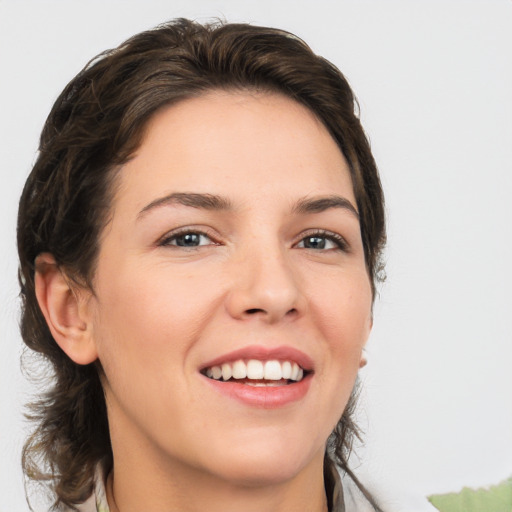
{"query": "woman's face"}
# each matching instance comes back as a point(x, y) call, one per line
point(234, 244)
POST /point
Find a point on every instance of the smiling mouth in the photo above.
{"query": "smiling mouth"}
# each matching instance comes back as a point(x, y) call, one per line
point(254, 372)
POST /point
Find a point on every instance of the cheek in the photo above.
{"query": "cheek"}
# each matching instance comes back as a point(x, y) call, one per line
point(149, 317)
point(343, 309)
point(343, 316)
point(144, 329)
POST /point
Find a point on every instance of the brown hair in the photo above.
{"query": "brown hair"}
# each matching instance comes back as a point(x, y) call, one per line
point(95, 125)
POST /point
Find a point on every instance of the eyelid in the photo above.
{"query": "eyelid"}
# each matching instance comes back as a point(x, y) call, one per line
point(164, 240)
point(336, 238)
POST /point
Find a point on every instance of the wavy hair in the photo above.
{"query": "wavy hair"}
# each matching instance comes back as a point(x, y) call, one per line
point(95, 125)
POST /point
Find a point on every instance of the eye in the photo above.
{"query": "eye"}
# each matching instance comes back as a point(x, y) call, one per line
point(187, 239)
point(323, 241)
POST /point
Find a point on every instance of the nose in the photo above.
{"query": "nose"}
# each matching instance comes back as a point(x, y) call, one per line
point(265, 285)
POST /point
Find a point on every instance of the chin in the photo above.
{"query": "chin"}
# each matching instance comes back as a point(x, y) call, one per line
point(266, 464)
point(260, 473)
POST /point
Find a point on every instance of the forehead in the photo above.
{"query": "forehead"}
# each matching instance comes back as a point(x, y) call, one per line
point(245, 144)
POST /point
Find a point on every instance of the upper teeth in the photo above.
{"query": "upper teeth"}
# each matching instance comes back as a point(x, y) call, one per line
point(257, 370)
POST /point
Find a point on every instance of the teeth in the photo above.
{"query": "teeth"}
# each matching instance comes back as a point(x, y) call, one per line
point(216, 372)
point(239, 370)
point(295, 372)
point(227, 372)
point(272, 370)
point(254, 369)
point(286, 369)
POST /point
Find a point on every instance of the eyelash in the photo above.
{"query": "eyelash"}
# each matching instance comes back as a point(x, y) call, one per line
point(166, 240)
point(335, 238)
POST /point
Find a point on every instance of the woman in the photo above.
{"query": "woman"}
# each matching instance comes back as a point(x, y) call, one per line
point(199, 243)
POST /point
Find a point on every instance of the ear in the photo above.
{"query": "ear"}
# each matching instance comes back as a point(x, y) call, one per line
point(364, 355)
point(66, 309)
point(364, 359)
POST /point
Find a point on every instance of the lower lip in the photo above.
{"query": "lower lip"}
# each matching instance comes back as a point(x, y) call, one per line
point(265, 397)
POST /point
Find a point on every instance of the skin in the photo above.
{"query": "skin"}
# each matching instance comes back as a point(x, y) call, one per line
point(160, 311)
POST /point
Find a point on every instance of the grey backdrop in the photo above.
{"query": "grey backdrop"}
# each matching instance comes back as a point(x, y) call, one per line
point(434, 80)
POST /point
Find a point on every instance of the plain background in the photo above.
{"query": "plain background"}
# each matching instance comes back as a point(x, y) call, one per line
point(434, 81)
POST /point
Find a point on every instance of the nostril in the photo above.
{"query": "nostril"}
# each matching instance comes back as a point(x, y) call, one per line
point(255, 310)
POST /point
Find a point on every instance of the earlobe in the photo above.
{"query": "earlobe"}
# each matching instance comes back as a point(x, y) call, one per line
point(363, 361)
point(65, 309)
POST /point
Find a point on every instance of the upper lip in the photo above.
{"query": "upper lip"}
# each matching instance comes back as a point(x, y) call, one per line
point(261, 353)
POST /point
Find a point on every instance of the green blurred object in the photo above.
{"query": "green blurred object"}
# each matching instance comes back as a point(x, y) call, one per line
point(497, 498)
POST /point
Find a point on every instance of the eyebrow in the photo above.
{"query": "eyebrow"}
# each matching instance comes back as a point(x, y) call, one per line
point(193, 200)
point(320, 204)
point(304, 205)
